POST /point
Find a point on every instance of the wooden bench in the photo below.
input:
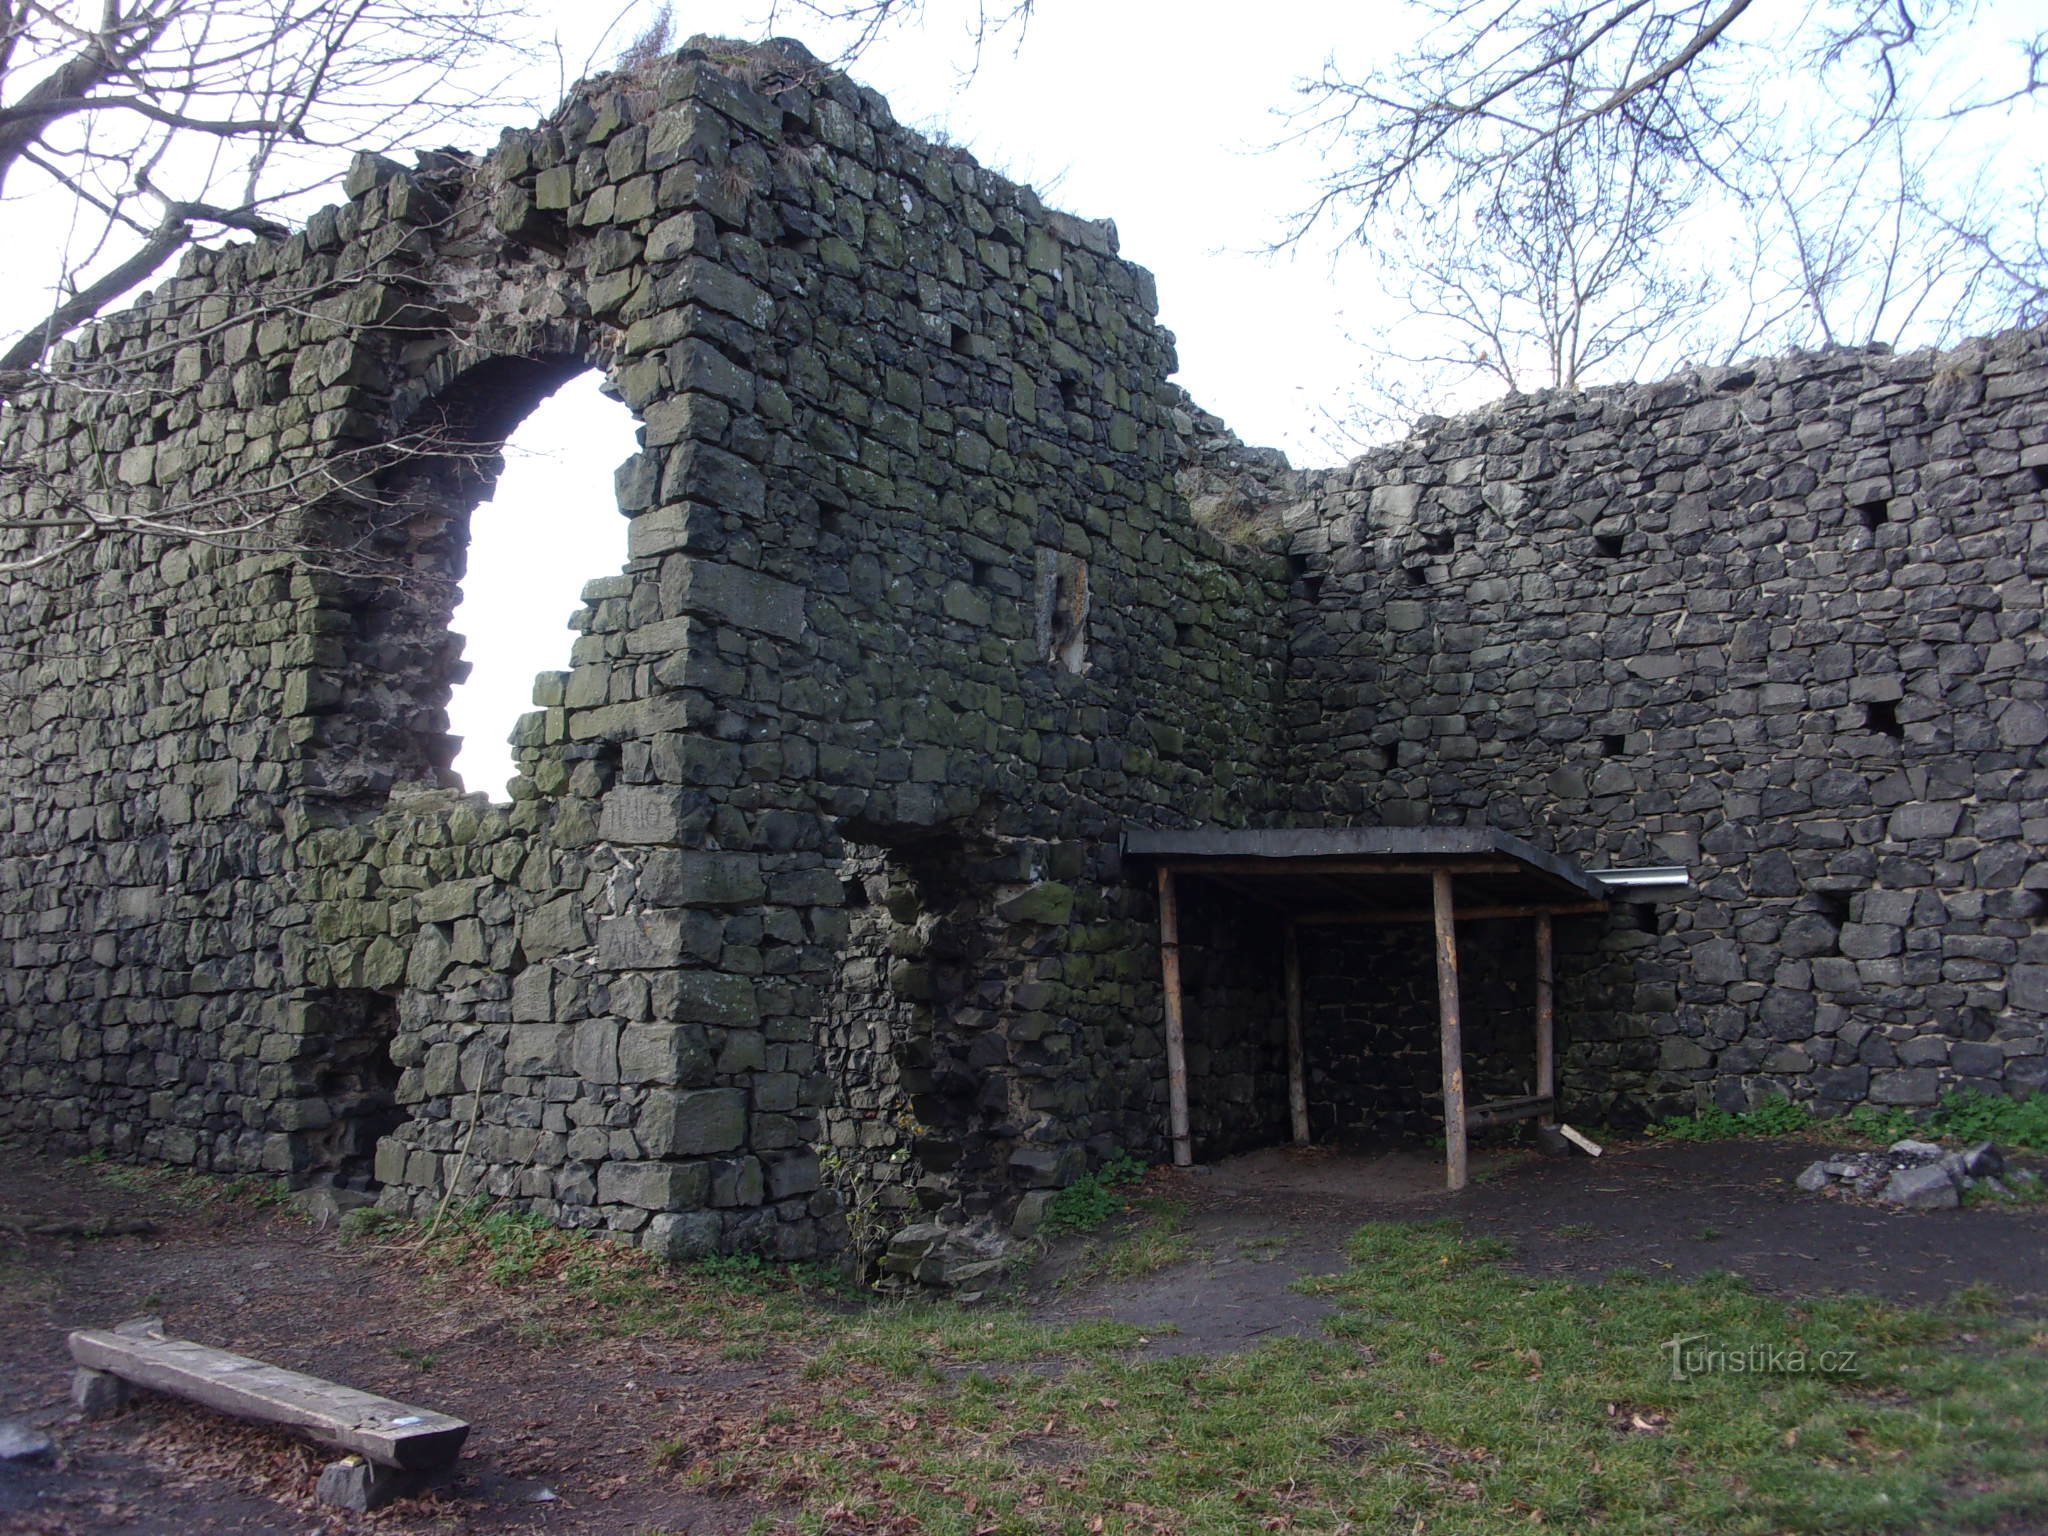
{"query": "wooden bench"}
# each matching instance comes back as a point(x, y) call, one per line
point(393, 1446)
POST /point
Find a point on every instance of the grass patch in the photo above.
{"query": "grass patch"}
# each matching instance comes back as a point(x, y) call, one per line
point(1453, 1395)
point(183, 1187)
point(1156, 1240)
point(590, 1284)
point(1967, 1116)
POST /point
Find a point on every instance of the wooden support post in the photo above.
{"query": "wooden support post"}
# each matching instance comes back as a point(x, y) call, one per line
point(1453, 1032)
point(1176, 1030)
point(1297, 1076)
point(1546, 1020)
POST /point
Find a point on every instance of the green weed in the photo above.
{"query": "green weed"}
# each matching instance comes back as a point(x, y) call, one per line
point(1965, 1116)
point(1093, 1198)
point(1776, 1117)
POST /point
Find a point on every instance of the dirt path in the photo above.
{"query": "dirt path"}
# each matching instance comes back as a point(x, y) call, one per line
point(565, 1430)
point(1256, 1224)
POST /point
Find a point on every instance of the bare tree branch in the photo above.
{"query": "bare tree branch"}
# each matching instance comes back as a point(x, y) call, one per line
point(170, 120)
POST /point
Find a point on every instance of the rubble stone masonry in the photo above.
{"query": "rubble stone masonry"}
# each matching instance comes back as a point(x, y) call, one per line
point(806, 917)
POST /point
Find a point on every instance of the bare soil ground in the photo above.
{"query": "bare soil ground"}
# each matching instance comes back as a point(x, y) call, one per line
point(566, 1426)
point(1258, 1223)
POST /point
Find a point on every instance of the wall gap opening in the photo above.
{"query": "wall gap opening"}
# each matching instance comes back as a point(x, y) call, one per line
point(1882, 717)
point(359, 1082)
point(1608, 545)
point(1874, 514)
point(548, 525)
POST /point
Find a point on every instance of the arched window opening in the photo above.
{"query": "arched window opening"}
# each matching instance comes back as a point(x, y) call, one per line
point(551, 524)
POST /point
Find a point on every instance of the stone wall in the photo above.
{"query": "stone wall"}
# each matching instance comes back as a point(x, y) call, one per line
point(806, 910)
point(1781, 625)
point(910, 581)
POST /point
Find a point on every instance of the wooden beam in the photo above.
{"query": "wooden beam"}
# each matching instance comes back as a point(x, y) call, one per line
point(1480, 1117)
point(1452, 1030)
point(1340, 866)
point(1338, 916)
point(388, 1433)
point(1546, 1020)
point(1176, 1030)
point(1297, 1075)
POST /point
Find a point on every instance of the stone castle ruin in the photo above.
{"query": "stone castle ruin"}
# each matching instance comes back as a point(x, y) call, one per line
point(809, 916)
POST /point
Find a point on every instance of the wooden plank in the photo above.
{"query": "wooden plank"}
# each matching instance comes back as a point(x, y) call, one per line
point(1337, 916)
point(1584, 1143)
point(1452, 1030)
point(1546, 1018)
point(390, 1433)
point(1379, 847)
point(1479, 1117)
point(1297, 1073)
point(1176, 1030)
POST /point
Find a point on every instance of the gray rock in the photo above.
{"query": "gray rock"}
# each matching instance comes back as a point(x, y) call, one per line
point(1924, 1150)
point(96, 1394)
point(359, 1486)
point(1815, 1179)
point(1984, 1161)
point(21, 1441)
point(324, 1205)
point(1030, 1213)
point(1922, 1189)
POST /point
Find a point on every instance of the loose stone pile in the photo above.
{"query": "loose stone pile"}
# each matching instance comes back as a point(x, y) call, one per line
point(1916, 1174)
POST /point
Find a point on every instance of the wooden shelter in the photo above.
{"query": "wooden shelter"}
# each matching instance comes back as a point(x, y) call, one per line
point(1423, 875)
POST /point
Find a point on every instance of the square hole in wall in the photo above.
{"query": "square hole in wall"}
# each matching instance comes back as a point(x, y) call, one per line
point(1832, 905)
point(1607, 545)
point(1307, 582)
point(2040, 474)
point(1874, 514)
point(1613, 744)
point(1882, 717)
point(1417, 575)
